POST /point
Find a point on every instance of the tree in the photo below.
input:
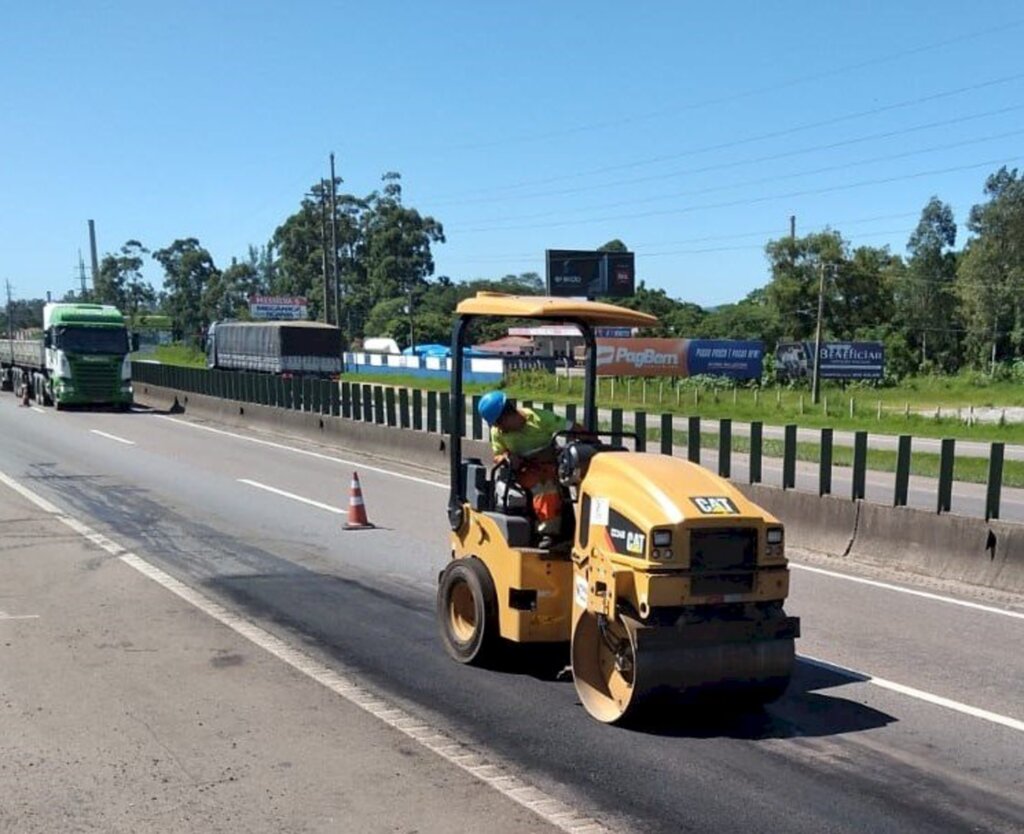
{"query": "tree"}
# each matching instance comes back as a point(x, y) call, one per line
point(120, 280)
point(925, 301)
point(793, 289)
point(188, 270)
point(990, 277)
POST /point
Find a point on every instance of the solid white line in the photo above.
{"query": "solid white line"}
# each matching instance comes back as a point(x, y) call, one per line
point(5, 616)
point(293, 496)
point(474, 760)
point(308, 453)
point(938, 597)
point(113, 437)
point(919, 694)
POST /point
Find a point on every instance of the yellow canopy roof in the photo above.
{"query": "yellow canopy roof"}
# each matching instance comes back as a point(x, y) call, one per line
point(595, 313)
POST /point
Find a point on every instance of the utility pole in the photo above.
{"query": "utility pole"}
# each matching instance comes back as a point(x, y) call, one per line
point(95, 259)
point(792, 227)
point(10, 315)
point(334, 244)
point(816, 383)
point(412, 331)
point(323, 246)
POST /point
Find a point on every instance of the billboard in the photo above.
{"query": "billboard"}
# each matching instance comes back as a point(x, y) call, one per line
point(838, 360)
point(679, 357)
point(291, 307)
point(586, 273)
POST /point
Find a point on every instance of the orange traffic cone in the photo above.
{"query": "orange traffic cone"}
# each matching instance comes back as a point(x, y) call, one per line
point(357, 519)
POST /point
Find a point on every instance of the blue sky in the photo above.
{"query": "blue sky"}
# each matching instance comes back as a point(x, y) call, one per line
point(690, 131)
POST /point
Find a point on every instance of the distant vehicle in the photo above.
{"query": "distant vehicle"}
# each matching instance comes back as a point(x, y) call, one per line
point(299, 348)
point(381, 345)
point(81, 359)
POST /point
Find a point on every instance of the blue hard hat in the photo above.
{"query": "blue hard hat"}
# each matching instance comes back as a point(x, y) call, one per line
point(491, 406)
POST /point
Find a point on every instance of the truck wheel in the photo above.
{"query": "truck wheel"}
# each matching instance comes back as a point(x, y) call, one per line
point(467, 612)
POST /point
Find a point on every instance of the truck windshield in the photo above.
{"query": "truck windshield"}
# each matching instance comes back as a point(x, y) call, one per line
point(92, 339)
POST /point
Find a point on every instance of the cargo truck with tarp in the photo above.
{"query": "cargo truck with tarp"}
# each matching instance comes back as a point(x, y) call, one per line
point(82, 358)
point(294, 348)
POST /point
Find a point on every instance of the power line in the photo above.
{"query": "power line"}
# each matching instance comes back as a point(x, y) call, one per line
point(734, 164)
point(757, 91)
point(764, 180)
point(754, 138)
point(742, 202)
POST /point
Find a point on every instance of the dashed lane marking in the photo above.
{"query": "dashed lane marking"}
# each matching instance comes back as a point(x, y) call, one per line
point(113, 437)
point(471, 758)
point(293, 496)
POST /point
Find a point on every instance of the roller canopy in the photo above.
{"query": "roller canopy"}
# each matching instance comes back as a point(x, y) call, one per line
point(594, 313)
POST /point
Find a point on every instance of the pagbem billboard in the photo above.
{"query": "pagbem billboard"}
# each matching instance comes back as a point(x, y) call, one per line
point(680, 357)
point(588, 274)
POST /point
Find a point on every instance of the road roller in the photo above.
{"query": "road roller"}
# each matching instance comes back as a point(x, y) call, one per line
point(670, 585)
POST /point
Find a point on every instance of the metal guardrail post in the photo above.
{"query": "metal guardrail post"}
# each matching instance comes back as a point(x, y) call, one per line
point(417, 409)
point(378, 405)
point(725, 447)
point(946, 459)
point(616, 425)
point(789, 457)
point(756, 451)
point(860, 465)
point(325, 396)
point(367, 403)
point(346, 400)
point(549, 406)
point(667, 440)
point(570, 412)
point(403, 408)
point(640, 428)
point(432, 411)
point(902, 486)
point(335, 397)
point(478, 424)
point(995, 480)
point(389, 407)
point(357, 401)
point(693, 439)
point(446, 414)
point(825, 463)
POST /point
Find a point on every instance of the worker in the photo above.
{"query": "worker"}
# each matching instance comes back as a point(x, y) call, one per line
point(524, 437)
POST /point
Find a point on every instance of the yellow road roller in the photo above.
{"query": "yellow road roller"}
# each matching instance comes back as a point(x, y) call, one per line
point(671, 583)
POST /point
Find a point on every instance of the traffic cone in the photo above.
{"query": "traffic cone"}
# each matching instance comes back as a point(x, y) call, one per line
point(357, 519)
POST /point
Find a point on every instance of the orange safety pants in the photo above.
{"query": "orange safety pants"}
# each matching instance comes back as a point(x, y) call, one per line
point(540, 478)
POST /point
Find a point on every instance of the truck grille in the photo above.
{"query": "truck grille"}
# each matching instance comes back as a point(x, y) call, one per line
point(723, 560)
point(96, 379)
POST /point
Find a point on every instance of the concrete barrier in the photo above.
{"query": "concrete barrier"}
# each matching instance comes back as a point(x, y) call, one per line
point(941, 546)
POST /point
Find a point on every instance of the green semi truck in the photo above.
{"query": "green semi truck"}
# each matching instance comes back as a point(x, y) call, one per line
point(81, 359)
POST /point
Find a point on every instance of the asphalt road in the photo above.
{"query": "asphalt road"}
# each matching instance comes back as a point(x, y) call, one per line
point(928, 738)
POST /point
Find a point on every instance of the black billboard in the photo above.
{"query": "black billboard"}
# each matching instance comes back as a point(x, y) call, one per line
point(581, 273)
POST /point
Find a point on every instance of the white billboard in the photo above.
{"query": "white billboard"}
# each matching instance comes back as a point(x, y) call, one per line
point(291, 307)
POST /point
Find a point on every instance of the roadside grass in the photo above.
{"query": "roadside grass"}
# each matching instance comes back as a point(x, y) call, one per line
point(179, 354)
point(874, 410)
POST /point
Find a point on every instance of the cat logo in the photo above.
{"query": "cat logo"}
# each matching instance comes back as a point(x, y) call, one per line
point(715, 505)
point(635, 542)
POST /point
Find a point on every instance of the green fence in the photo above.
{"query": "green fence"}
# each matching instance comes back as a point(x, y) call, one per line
point(416, 410)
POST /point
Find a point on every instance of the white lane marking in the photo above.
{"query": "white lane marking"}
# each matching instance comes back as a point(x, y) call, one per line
point(445, 486)
point(475, 760)
point(318, 455)
point(113, 437)
point(5, 616)
point(925, 594)
point(37, 409)
point(919, 694)
point(293, 496)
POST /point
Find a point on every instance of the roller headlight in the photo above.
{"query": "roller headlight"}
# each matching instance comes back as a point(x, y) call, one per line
point(774, 535)
point(662, 538)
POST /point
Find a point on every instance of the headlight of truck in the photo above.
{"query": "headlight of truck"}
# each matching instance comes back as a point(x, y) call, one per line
point(126, 369)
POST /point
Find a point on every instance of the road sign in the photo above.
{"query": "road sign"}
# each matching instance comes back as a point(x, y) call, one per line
point(587, 274)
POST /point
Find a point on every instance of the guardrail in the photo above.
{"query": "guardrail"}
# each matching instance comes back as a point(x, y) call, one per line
point(431, 411)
